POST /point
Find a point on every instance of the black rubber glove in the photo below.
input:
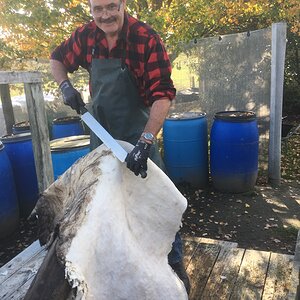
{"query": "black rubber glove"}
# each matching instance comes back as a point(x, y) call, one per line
point(71, 96)
point(137, 158)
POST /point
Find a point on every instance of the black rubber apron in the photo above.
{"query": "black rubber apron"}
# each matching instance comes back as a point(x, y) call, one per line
point(117, 105)
point(119, 108)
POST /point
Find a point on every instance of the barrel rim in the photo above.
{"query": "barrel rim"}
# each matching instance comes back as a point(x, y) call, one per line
point(18, 137)
point(185, 116)
point(70, 140)
point(19, 125)
point(66, 120)
point(235, 115)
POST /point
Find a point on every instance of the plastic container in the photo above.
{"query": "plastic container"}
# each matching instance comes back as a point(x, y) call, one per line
point(67, 126)
point(20, 152)
point(66, 151)
point(21, 127)
point(185, 148)
point(9, 210)
point(234, 151)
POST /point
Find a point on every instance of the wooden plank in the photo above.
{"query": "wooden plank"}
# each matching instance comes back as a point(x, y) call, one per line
point(12, 77)
point(21, 291)
point(276, 98)
point(40, 134)
point(203, 240)
point(252, 275)
point(295, 284)
point(8, 111)
point(224, 274)
point(189, 248)
point(18, 261)
point(21, 276)
point(278, 282)
point(200, 268)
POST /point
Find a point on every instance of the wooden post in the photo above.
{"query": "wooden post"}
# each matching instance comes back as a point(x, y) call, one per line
point(40, 134)
point(277, 76)
point(38, 122)
point(7, 107)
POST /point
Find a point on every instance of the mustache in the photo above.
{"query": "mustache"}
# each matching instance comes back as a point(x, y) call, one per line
point(109, 20)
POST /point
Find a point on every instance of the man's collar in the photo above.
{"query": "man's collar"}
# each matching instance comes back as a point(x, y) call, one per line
point(124, 31)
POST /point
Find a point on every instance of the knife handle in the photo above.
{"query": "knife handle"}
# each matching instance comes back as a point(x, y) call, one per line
point(82, 110)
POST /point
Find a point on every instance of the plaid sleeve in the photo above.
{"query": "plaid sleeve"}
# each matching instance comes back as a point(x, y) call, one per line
point(157, 76)
point(70, 52)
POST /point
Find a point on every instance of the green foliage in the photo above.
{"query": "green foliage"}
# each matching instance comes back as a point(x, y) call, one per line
point(30, 29)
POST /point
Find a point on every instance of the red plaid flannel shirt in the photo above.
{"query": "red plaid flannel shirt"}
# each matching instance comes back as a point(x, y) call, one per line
point(146, 56)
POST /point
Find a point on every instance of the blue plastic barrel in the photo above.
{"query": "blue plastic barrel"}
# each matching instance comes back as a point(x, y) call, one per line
point(9, 210)
point(185, 148)
point(21, 127)
point(66, 151)
point(67, 126)
point(20, 152)
point(234, 151)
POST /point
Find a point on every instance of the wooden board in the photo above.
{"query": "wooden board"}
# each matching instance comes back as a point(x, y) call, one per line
point(278, 282)
point(22, 276)
point(200, 268)
point(20, 260)
point(12, 77)
point(252, 275)
point(224, 275)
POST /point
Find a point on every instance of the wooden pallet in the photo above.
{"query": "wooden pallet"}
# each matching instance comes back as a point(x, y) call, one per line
point(217, 269)
point(220, 270)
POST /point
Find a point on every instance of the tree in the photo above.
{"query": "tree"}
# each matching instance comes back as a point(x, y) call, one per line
point(30, 29)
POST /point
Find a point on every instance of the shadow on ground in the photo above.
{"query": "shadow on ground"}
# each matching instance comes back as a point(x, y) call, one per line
point(265, 219)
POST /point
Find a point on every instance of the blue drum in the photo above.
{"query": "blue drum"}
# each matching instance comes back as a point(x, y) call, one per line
point(20, 152)
point(186, 148)
point(66, 151)
point(67, 126)
point(21, 127)
point(9, 210)
point(234, 151)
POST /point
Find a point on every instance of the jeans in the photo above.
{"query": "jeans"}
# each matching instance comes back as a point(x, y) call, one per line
point(175, 255)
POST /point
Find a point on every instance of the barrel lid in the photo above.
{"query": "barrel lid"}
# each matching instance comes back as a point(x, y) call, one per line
point(70, 142)
point(236, 115)
point(1, 145)
point(16, 137)
point(24, 125)
point(66, 120)
point(186, 115)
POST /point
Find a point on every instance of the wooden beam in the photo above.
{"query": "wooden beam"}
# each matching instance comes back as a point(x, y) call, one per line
point(277, 76)
point(40, 134)
point(19, 77)
point(7, 107)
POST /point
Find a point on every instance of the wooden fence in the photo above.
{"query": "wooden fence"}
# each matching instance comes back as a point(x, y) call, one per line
point(37, 117)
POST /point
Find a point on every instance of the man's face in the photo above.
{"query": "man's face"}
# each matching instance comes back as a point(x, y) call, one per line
point(108, 15)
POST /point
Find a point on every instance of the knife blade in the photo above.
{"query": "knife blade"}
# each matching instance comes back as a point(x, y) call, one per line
point(103, 134)
point(105, 137)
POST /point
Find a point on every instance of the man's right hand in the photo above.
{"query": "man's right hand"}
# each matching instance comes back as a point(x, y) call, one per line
point(71, 96)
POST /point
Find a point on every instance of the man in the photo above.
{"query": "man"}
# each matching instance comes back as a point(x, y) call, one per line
point(130, 81)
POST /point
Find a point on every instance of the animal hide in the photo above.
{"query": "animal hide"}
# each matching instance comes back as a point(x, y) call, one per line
point(111, 231)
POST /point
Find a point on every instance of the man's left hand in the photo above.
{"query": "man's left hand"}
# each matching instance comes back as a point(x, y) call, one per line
point(137, 158)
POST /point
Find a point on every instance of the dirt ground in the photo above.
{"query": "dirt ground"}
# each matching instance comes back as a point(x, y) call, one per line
point(266, 218)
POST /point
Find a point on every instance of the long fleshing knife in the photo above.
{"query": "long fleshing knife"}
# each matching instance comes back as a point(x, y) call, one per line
point(105, 137)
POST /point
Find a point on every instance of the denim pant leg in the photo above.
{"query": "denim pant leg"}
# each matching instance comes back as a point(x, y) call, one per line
point(175, 255)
